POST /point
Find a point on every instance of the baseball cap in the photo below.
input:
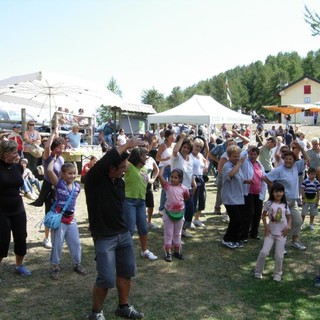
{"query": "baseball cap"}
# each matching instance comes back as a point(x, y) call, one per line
point(16, 126)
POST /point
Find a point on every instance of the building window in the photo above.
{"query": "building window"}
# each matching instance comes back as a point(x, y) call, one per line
point(308, 113)
point(307, 89)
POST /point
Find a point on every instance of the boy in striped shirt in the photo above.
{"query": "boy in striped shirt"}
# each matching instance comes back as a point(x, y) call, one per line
point(310, 196)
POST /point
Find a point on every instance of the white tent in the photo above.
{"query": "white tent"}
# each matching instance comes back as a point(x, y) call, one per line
point(200, 110)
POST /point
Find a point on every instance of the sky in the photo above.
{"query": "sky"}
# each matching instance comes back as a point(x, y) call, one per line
point(145, 44)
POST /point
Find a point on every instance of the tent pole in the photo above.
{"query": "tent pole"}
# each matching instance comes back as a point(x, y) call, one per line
point(130, 124)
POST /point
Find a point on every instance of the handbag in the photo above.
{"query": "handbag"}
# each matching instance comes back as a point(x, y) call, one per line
point(175, 215)
point(36, 151)
point(53, 218)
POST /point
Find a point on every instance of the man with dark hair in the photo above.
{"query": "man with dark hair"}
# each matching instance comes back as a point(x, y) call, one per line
point(105, 193)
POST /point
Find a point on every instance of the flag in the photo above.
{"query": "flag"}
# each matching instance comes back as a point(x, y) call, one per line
point(228, 92)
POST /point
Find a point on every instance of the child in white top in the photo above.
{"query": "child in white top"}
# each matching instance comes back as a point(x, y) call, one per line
point(176, 195)
point(275, 231)
point(29, 180)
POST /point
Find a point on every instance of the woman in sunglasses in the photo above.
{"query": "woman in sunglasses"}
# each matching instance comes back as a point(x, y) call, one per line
point(31, 137)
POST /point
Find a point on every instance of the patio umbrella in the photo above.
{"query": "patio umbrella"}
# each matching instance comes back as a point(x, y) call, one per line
point(286, 109)
point(47, 90)
point(314, 108)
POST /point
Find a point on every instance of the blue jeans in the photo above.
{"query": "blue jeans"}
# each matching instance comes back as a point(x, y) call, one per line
point(163, 198)
point(135, 214)
point(188, 211)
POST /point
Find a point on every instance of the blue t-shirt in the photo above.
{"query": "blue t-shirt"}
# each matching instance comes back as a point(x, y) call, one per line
point(232, 191)
point(75, 139)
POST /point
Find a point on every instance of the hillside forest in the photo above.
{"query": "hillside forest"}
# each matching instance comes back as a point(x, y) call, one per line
point(251, 86)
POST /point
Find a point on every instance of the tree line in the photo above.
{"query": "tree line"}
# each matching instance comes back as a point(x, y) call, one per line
point(251, 86)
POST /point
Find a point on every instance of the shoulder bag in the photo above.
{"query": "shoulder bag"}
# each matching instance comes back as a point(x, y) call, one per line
point(53, 218)
point(36, 151)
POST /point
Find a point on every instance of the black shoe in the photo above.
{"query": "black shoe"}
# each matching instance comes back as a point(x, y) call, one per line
point(128, 312)
point(178, 255)
point(168, 257)
point(79, 269)
point(36, 203)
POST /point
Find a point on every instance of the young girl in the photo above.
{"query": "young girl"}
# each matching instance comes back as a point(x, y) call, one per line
point(275, 231)
point(176, 195)
point(68, 229)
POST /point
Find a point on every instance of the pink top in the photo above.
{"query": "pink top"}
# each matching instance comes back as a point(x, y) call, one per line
point(175, 196)
point(255, 187)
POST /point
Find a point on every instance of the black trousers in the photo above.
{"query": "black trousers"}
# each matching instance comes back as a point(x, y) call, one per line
point(252, 216)
point(236, 214)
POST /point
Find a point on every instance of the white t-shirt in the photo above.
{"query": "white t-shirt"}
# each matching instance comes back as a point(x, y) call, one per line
point(277, 216)
point(186, 166)
point(121, 139)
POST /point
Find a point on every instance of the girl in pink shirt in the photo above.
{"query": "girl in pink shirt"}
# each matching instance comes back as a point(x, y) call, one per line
point(176, 195)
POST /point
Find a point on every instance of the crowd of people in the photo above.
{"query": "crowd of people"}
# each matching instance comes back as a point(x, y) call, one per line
point(119, 196)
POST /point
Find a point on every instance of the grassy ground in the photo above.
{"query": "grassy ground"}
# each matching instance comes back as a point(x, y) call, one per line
point(213, 282)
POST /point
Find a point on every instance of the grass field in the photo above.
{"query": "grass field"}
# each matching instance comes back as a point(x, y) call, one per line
point(212, 282)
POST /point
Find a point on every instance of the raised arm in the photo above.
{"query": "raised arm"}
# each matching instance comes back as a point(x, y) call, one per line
point(244, 139)
point(236, 168)
point(47, 147)
point(178, 145)
point(131, 143)
point(53, 177)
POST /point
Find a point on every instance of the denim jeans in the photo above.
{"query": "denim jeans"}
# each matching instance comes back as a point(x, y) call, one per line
point(166, 175)
point(135, 214)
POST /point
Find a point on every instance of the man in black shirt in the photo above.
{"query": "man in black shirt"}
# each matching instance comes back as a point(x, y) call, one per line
point(105, 193)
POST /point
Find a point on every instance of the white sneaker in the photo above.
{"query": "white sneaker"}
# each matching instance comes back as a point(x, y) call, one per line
point(152, 225)
point(198, 223)
point(47, 243)
point(258, 275)
point(229, 244)
point(148, 255)
point(186, 234)
point(298, 245)
point(311, 226)
point(277, 278)
point(225, 217)
point(192, 226)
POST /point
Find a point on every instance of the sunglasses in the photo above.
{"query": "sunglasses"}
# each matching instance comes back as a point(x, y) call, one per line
point(31, 124)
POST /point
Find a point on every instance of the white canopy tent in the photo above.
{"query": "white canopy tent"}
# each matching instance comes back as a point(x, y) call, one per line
point(200, 110)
